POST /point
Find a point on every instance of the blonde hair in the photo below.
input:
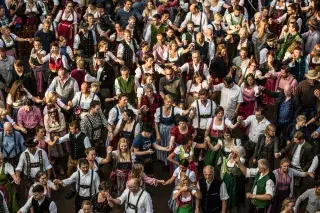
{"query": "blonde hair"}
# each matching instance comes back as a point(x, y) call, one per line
point(120, 155)
point(301, 118)
point(80, 64)
point(217, 16)
point(243, 30)
point(168, 98)
point(50, 96)
point(268, 128)
point(4, 28)
point(286, 202)
point(3, 111)
point(137, 171)
point(261, 29)
point(182, 180)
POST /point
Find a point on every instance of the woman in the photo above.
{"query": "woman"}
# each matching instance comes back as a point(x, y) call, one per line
point(152, 101)
point(127, 127)
point(186, 151)
point(55, 59)
point(52, 98)
point(313, 59)
point(287, 206)
point(6, 169)
point(267, 146)
point(173, 54)
point(181, 131)
point(36, 66)
point(41, 138)
point(218, 28)
point(253, 69)
point(138, 172)
point(117, 37)
point(250, 92)
point(185, 195)
point(17, 95)
point(94, 160)
point(234, 180)
point(259, 38)
point(269, 69)
point(122, 165)
point(217, 6)
point(254, 25)
point(67, 23)
point(221, 150)
point(147, 79)
point(109, 56)
point(171, 36)
point(142, 53)
point(64, 49)
point(99, 201)
point(300, 126)
point(277, 9)
point(220, 63)
point(164, 121)
point(91, 9)
point(244, 42)
point(55, 125)
point(284, 183)
point(8, 39)
point(147, 14)
point(181, 171)
point(42, 179)
point(4, 117)
point(215, 130)
point(194, 86)
point(30, 11)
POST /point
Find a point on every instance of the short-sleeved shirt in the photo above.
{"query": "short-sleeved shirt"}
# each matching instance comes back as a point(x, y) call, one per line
point(178, 136)
point(143, 144)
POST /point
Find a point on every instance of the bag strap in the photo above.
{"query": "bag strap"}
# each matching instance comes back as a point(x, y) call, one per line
point(198, 113)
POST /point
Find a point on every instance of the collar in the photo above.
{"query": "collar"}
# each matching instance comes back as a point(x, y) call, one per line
point(77, 135)
point(302, 143)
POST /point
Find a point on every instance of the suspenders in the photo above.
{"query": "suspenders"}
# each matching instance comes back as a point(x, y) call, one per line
point(85, 186)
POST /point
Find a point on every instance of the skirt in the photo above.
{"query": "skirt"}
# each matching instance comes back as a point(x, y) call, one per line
point(66, 30)
point(280, 196)
point(270, 85)
point(236, 190)
point(39, 78)
point(165, 139)
point(185, 209)
point(247, 108)
point(122, 178)
point(211, 158)
point(58, 150)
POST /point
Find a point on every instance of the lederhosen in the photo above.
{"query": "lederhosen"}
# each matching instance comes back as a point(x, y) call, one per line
point(15, 160)
point(31, 180)
point(196, 25)
point(79, 199)
point(200, 132)
point(78, 110)
point(131, 206)
point(97, 143)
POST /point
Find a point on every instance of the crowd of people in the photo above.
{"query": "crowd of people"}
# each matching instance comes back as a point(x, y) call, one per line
point(222, 94)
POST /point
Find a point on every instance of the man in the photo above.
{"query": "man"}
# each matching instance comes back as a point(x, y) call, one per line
point(28, 118)
point(286, 108)
point(125, 84)
point(26, 76)
point(199, 19)
point(240, 62)
point(263, 185)
point(203, 110)
point(143, 146)
point(312, 37)
point(32, 160)
point(300, 153)
point(46, 35)
point(270, 45)
point(292, 10)
point(39, 202)
point(308, 94)
point(313, 196)
point(208, 37)
point(289, 42)
point(297, 64)
point(233, 4)
point(92, 125)
point(4, 19)
point(258, 124)
point(159, 49)
point(235, 20)
point(214, 192)
point(285, 78)
point(154, 29)
point(172, 85)
point(49, 17)
point(87, 183)
point(86, 41)
point(115, 114)
point(190, 35)
point(134, 29)
point(127, 50)
point(11, 144)
point(231, 97)
point(79, 143)
point(6, 69)
point(64, 85)
point(203, 47)
point(136, 199)
point(123, 14)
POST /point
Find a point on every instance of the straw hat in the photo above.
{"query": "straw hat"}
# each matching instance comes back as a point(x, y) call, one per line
point(312, 74)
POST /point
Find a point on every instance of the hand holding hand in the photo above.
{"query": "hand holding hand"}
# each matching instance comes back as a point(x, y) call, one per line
point(311, 174)
point(317, 93)
point(56, 181)
point(150, 151)
point(315, 134)
point(249, 195)
point(276, 155)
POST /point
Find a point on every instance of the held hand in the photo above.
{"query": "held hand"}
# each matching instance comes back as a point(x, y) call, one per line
point(254, 160)
point(56, 181)
point(317, 93)
point(109, 149)
point(150, 151)
point(311, 174)
point(184, 189)
point(17, 180)
point(167, 149)
point(70, 103)
point(276, 155)
point(161, 181)
point(24, 130)
point(249, 195)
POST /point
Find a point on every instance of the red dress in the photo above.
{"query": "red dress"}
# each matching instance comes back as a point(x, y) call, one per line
point(65, 28)
point(178, 136)
point(149, 116)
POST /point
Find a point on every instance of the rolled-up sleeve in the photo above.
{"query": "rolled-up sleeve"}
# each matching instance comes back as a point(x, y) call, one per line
point(252, 172)
point(270, 187)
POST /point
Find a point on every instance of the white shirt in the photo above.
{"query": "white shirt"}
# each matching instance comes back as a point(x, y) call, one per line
point(200, 19)
point(144, 205)
point(85, 179)
point(28, 205)
point(314, 165)
point(204, 110)
point(136, 129)
point(121, 50)
point(177, 111)
point(115, 113)
point(255, 128)
point(117, 86)
point(230, 97)
point(223, 190)
point(191, 175)
point(295, 161)
point(64, 60)
point(47, 190)
point(143, 70)
point(8, 169)
point(66, 137)
point(185, 68)
point(77, 41)
point(84, 102)
point(33, 159)
point(270, 188)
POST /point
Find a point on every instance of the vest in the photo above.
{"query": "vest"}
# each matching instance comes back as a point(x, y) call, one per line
point(190, 37)
point(127, 87)
point(155, 31)
point(210, 202)
point(86, 44)
point(44, 206)
point(204, 116)
point(5, 44)
point(77, 146)
point(78, 75)
point(167, 121)
point(261, 189)
point(128, 53)
point(192, 70)
point(55, 65)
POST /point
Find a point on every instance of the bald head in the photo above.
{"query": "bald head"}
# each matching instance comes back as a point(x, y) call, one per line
point(134, 185)
point(208, 172)
point(7, 128)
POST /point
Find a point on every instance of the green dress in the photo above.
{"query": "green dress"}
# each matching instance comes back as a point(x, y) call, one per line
point(211, 158)
point(185, 209)
point(6, 188)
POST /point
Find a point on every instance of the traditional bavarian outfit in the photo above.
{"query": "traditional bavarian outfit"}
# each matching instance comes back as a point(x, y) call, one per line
point(87, 185)
point(9, 45)
point(3, 205)
point(184, 204)
point(81, 103)
point(6, 188)
point(43, 207)
point(39, 69)
point(32, 163)
point(65, 26)
point(136, 203)
point(127, 51)
point(87, 42)
point(127, 87)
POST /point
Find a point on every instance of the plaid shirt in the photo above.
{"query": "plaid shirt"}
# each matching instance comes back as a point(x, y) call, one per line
point(149, 116)
point(97, 120)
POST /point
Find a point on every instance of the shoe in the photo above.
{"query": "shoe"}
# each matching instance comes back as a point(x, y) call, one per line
point(70, 195)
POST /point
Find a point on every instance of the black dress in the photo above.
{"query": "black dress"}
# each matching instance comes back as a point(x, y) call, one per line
point(100, 207)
